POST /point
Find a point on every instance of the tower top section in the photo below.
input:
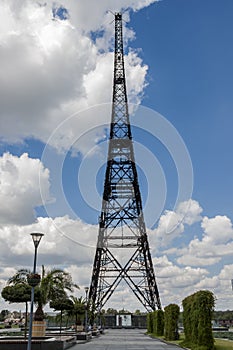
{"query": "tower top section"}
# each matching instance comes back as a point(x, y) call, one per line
point(120, 125)
point(118, 16)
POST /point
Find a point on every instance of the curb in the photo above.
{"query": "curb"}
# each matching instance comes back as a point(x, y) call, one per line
point(167, 342)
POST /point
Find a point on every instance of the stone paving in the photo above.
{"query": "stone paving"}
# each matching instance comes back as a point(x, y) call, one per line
point(124, 339)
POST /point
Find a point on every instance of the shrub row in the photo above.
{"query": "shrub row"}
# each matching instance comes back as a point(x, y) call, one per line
point(197, 315)
point(224, 335)
point(158, 321)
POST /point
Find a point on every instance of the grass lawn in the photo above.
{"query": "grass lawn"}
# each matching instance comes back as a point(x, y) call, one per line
point(221, 344)
point(177, 342)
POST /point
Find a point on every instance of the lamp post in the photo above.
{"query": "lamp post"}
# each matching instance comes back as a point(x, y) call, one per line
point(36, 237)
point(86, 291)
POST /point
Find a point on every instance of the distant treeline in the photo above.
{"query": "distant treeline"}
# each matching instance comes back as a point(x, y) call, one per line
point(217, 315)
point(223, 315)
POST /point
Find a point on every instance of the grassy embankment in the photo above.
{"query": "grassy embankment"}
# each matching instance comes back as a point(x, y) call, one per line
point(220, 344)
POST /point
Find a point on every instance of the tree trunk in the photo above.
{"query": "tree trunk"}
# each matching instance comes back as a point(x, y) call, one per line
point(39, 314)
point(67, 320)
point(61, 323)
point(76, 322)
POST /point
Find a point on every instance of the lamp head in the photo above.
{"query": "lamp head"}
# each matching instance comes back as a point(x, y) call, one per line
point(36, 237)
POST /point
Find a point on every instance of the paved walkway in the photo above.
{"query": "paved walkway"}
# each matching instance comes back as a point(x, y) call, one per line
point(124, 339)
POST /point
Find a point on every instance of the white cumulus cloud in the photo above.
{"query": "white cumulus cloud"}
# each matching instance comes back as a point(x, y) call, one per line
point(20, 189)
point(215, 243)
point(52, 68)
point(217, 230)
point(172, 223)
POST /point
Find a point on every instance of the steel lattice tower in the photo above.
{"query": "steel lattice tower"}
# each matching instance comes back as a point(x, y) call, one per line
point(121, 226)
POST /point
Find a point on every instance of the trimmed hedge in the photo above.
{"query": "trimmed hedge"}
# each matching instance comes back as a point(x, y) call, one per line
point(158, 322)
point(155, 322)
point(197, 316)
point(149, 320)
point(224, 335)
point(171, 317)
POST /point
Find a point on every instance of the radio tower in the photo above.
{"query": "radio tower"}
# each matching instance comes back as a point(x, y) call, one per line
point(122, 230)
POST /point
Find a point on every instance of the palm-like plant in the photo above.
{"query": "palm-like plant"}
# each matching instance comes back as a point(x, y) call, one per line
point(78, 309)
point(19, 277)
point(54, 284)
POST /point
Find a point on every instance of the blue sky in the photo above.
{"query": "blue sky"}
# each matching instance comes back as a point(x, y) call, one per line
point(179, 70)
point(187, 45)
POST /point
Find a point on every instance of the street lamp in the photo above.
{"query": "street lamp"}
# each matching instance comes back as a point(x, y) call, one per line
point(36, 237)
point(86, 291)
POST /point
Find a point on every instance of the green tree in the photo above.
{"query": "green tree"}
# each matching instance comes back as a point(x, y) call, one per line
point(18, 291)
point(111, 311)
point(54, 285)
point(61, 304)
point(3, 315)
point(137, 312)
point(123, 311)
point(78, 309)
point(223, 315)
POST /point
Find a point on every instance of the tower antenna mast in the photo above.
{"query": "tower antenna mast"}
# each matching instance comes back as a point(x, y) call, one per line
point(122, 252)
